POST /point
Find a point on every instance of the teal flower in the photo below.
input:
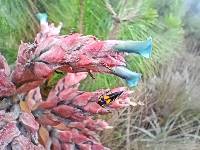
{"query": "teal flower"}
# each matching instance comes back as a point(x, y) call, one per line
point(132, 78)
point(143, 48)
point(42, 17)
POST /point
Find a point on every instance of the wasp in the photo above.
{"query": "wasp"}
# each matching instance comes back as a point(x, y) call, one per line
point(107, 99)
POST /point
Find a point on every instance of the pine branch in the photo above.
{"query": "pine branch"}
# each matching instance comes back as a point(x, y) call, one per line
point(116, 24)
point(118, 19)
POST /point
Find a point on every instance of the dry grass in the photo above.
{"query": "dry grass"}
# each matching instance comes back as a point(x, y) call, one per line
point(170, 116)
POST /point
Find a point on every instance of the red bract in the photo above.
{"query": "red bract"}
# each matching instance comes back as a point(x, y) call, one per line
point(7, 88)
point(4, 66)
point(29, 122)
point(63, 119)
point(23, 143)
point(8, 133)
point(33, 98)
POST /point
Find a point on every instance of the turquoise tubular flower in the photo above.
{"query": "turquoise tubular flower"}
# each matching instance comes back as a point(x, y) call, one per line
point(143, 48)
point(42, 17)
point(132, 78)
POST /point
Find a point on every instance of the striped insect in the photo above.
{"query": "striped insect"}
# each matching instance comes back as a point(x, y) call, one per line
point(107, 99)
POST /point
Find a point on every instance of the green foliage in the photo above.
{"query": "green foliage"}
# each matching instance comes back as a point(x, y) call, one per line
point(19, 19)
point(65, 11)
point(96, 19)
point(17, 22)
point(54, 79)
point(101, 81)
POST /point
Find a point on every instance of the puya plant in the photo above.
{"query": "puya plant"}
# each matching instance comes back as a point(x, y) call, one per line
point(65, 118)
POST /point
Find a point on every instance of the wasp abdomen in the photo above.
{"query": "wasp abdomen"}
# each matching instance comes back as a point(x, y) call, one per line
point(108, 99)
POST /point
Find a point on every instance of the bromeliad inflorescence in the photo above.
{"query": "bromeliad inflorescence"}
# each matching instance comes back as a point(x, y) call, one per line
point(74, 53)
point(63, 119)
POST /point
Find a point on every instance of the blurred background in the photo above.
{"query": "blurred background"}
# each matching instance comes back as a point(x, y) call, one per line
point(170, 87)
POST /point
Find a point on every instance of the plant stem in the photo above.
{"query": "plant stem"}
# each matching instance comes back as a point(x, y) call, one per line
point(128, 129)
point(81, 26)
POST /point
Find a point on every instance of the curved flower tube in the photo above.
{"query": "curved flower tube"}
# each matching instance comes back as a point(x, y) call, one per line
point(132, 78)
point(143, 48)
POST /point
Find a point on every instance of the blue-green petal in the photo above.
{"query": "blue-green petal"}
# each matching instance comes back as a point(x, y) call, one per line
point(42, 17)
point(132, 78)
point(143, 48)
